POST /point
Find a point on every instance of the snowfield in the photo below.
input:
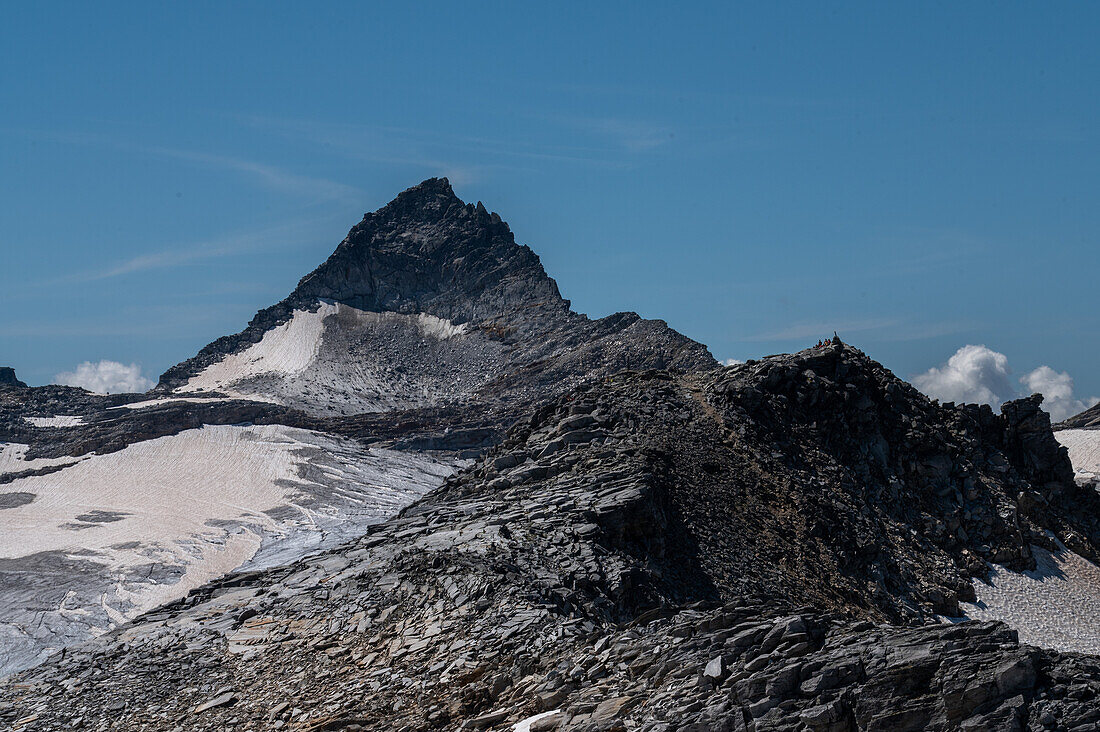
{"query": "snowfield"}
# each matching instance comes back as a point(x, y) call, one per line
point(111, 536)
point(1084, 451)
point(286, 350)
point(342, 360)
point(1055, 606)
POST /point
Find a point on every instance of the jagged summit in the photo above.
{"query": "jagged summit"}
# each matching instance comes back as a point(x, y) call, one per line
point(428, 252)
point(427, 301)
point(8, 378)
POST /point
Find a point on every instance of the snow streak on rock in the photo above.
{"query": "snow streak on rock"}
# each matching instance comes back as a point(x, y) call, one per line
point(57, 421)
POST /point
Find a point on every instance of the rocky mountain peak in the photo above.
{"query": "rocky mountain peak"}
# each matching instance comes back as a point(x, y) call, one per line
point(427, 251)
point(8, 378)
point(429, 266)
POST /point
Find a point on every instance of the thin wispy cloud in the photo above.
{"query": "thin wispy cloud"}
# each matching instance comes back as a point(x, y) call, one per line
point(268, 176)
point(453, 154)
point(151, 322)
point(629, 134)
point(185, 253)
point(925, 331)
point(880, 329)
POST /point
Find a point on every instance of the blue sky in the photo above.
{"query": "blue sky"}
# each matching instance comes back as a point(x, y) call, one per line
point(757, 175)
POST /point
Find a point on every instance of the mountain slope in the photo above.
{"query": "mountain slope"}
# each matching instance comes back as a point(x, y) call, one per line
point(410, 350)
point(428, 301)
point(1088, 419)
point(653, 551)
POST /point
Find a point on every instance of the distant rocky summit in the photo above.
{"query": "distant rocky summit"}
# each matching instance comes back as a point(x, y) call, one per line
point(421, 493)
point(429, 302)
point(7, 377)
point(1086, 420)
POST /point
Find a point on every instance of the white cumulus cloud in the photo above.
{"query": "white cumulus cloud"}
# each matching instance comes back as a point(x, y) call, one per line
point(978, 374)
point(732, 362)
point(106, 377)
point(1057, 391)
point(975, 374)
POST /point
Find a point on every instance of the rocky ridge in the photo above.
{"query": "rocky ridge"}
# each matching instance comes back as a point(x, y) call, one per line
point(1086, 420)
point(764, 547)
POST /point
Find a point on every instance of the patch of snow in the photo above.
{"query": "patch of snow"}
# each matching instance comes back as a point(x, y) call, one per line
point(438, 328)
point(57, 421)
point(169, 400)
point(524, 725)
point(118, 534)
point(1084, 452)
point(286, 350)
point(1056, 605)
point(342, 360)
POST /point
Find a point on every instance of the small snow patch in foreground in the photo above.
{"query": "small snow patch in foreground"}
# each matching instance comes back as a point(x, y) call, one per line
point(1056, 605)
point(525, 724)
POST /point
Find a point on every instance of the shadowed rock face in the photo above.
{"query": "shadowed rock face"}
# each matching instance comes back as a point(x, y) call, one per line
point(428, 252)
point(7, 377)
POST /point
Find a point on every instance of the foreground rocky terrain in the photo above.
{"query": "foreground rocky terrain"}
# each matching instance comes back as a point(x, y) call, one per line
point(728, 550)
point(421, 493)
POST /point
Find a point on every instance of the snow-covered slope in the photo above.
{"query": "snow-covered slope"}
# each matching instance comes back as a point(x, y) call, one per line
point(114, 535)
point(1056, 605)
point(341, 360)
point(1084, 451)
